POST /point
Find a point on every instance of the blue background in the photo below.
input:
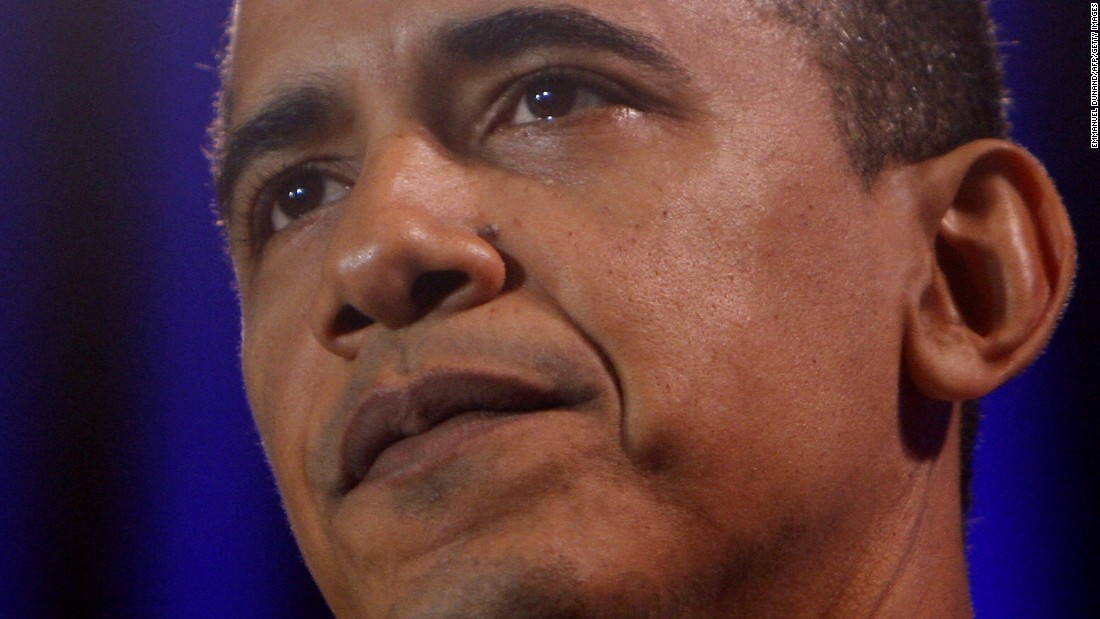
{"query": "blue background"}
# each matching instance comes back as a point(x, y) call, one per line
point(133, 480)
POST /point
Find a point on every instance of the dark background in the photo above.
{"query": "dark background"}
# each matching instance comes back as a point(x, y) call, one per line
point(133, 481)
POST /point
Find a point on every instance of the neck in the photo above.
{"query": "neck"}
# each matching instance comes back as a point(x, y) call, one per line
point(915, 565)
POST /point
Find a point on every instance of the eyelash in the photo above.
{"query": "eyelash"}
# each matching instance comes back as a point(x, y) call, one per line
point(261, 190)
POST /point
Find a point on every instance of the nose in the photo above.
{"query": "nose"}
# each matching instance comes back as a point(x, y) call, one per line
point(407, 245)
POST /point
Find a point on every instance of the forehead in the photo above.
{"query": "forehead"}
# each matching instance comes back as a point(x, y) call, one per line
point(380, 42)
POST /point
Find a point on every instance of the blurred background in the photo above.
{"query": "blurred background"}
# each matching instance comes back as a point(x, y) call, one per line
point(133, 481)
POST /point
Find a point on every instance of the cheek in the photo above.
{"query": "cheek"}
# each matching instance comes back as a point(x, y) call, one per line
point(752, 335)
point(280, 374)
point(280, 357)
point(276, 348)
point(290, 381)
point(288, 378)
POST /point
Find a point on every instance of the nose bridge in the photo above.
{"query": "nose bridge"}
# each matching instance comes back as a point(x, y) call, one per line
point(404, 169)
point(406, 244)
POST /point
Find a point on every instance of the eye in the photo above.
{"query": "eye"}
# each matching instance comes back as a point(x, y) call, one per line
point(550, 97)
point(298, 192)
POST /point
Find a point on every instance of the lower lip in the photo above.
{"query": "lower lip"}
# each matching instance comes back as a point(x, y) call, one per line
point(410, 456)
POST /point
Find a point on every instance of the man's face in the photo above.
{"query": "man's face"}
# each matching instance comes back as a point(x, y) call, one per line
point(551, 312)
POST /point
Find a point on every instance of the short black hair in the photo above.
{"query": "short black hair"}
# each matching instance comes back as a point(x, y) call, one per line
point(910, 79)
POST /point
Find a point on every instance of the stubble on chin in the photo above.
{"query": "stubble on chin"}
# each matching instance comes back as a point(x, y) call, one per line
point(515, 589)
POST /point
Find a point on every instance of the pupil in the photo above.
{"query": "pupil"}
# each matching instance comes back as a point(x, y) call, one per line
point(301, 195)
point(551, 98)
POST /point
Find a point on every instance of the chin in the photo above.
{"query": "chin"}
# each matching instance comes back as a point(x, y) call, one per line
point(517, 588)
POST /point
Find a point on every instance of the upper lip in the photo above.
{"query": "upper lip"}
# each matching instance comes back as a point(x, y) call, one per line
point(389, 414)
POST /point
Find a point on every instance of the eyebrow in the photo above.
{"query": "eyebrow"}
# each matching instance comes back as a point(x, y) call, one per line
point(313, 109)
point(297, 115)
point(510, 33)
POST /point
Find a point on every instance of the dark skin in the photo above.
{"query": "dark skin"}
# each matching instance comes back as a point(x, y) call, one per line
point(603, 323)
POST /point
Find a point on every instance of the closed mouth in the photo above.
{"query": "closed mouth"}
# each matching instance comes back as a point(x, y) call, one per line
point(389, 415)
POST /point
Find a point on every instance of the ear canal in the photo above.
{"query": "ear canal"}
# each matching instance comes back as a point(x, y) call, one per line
point(1002, 259)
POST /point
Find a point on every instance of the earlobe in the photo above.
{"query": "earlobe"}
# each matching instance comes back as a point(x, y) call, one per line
point(1002, 258)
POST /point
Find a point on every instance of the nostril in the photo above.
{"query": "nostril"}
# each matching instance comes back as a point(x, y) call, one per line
point(350, 320)
point(431, 288)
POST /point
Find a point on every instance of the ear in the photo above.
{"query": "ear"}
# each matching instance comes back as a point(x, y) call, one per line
point(1002, 258)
